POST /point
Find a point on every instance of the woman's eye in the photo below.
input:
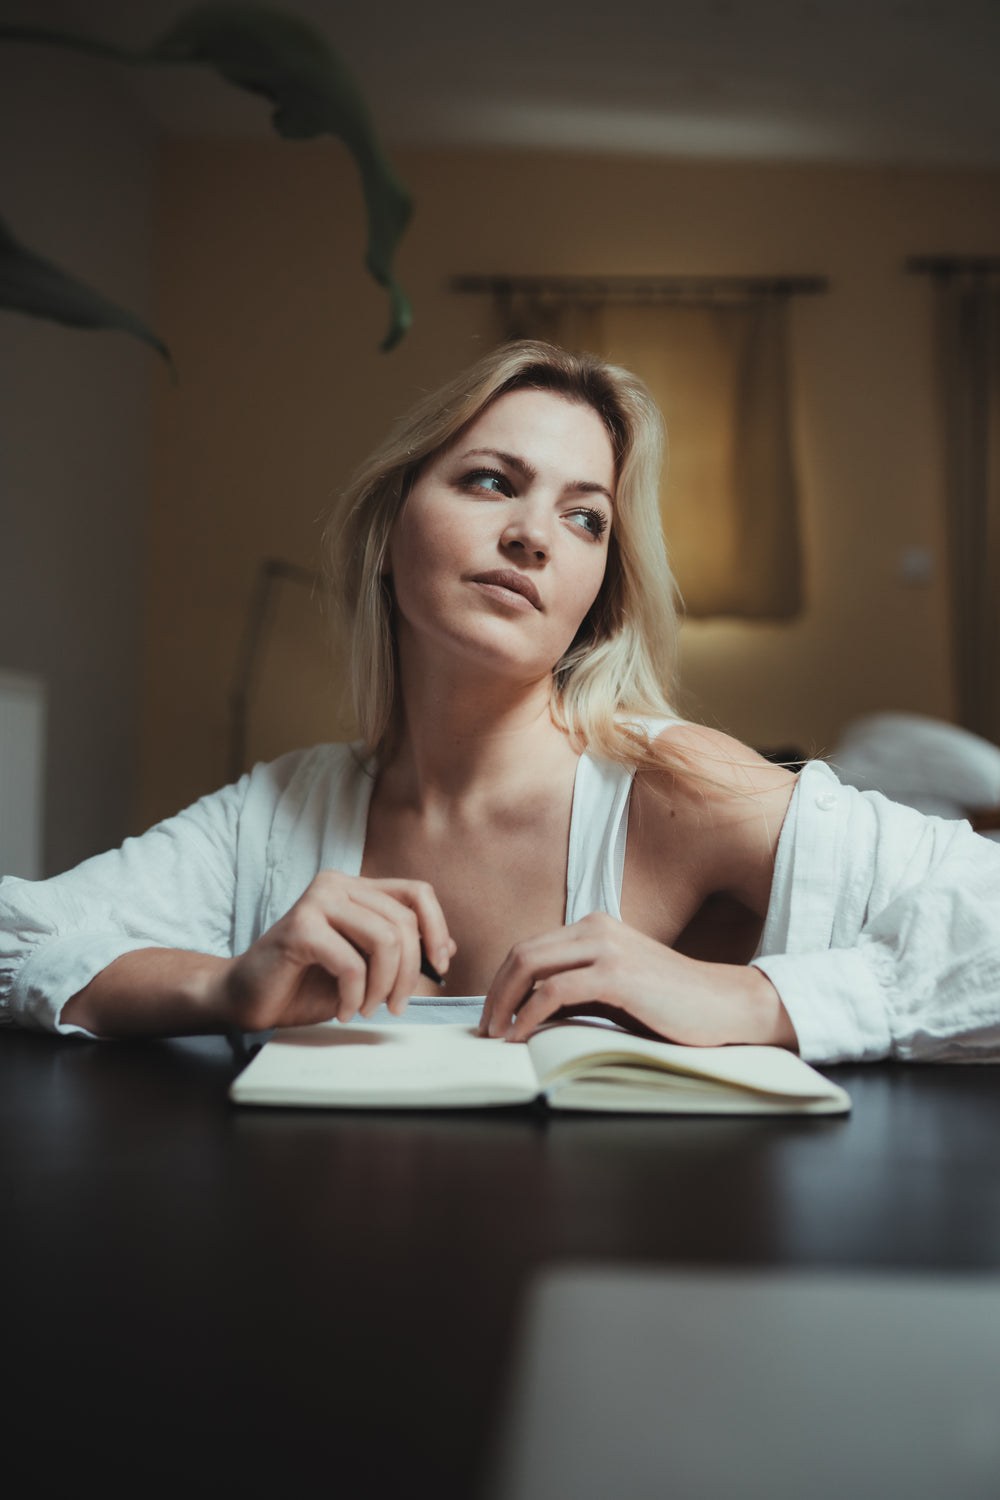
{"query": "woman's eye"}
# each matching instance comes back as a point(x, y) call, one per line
point(494, 480)
point(593, 521)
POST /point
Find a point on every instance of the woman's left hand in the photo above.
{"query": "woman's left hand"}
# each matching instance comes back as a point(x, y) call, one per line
point(599, 964)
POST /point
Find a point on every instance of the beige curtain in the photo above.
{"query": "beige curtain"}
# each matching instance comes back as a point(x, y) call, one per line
point(969, 333)
point(719, 372)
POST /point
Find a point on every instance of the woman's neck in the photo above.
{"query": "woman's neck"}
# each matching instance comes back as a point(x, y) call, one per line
point(467, 739)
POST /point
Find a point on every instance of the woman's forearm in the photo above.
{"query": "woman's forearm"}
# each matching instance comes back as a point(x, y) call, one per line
point(348, 945)
point(153, 992)
point(759, 1014)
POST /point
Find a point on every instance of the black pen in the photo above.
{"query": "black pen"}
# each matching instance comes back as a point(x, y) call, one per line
point(426, 967)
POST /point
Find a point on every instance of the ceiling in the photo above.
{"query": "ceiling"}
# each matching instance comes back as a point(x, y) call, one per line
point(909, 81)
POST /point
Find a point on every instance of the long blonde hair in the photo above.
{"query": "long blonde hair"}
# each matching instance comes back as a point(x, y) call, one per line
point(622, 664)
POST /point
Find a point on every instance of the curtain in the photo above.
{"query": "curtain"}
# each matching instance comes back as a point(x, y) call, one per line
point(719, 373)
point(969, 337)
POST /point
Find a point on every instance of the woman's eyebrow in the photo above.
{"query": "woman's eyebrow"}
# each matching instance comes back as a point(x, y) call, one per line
point(522, 467)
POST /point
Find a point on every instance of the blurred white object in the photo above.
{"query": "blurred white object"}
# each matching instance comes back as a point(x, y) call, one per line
point(22, 766)
point(641, 1384)
point(924, 763)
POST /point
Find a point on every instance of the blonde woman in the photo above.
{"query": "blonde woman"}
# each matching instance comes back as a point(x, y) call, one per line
point(526, 829)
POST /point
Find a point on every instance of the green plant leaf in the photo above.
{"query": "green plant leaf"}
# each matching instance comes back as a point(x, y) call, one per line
point(272, 53)
point(29, 284)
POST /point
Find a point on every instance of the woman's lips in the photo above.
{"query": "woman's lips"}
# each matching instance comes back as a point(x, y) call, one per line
point(504, 581)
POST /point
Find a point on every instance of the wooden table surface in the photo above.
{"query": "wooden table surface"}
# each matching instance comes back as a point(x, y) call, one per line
point(206, 1300)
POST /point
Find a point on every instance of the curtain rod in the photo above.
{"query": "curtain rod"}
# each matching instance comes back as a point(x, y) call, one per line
point(954, 265)
point(641, 288)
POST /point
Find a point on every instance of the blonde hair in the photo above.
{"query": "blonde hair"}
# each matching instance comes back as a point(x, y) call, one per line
point(622, 663)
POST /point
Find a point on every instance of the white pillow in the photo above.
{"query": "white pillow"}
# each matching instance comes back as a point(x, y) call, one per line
point(925, 763)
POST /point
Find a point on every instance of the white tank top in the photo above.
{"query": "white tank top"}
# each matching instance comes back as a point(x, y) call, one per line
point(598, 830)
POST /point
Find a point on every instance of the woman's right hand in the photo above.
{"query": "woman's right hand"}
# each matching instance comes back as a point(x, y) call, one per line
point(347, 946)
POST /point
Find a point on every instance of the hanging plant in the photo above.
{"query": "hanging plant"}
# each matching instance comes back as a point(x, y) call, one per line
point(312, 93)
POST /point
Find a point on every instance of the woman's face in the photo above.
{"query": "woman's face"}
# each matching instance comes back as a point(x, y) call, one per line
point(501, 546)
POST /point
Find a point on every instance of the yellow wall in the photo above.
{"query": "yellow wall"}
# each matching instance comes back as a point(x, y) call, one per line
point(275, 330)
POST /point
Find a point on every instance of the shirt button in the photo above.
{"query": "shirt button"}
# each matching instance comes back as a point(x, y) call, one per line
point(826, 801)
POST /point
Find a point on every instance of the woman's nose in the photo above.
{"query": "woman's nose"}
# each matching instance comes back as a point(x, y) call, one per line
point(526, 535)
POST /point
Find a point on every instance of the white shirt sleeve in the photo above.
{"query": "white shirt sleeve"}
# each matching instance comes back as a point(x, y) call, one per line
point(173, 887)
point(883, 930)
point(207, 881)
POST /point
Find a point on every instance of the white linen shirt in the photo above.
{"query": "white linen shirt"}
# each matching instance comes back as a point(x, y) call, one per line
point(882, 935)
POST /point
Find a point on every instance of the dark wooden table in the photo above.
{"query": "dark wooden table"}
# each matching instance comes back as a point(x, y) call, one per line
point(205, 1300)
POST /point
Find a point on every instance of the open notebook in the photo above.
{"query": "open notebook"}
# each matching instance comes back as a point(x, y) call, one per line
point(571, 1065)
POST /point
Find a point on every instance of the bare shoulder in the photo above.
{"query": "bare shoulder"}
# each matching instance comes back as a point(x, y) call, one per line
point(717, 804)
point(713, 768)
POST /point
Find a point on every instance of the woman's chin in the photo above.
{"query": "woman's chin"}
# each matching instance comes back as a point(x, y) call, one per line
point(482, 652)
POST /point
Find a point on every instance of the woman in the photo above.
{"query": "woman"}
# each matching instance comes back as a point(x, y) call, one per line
point(526, 813)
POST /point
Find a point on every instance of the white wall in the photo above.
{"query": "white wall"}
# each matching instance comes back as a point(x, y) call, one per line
point(77, 187)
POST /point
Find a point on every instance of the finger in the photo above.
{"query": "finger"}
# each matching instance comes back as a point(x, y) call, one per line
point(534, 959)
point(381, 943)
point(305, 940)
point(327, 908)
point(345, 956)
point(561, 992)
point(526, 965)
point(402, 903)
point(403, 921)
point(421, 898)
point(416, 903)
